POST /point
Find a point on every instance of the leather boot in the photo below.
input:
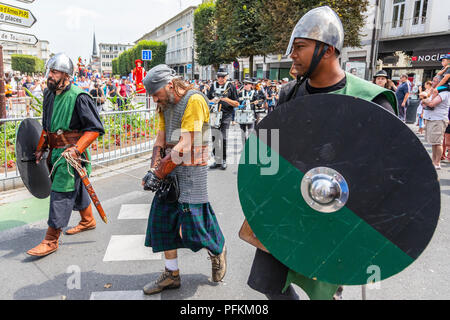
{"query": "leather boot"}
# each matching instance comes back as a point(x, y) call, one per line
point(49, 245)
point(167, 280)
point(87, 222)
point(219, 265)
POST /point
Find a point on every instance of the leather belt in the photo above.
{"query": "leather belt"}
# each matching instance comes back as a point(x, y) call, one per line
point(199, 156)
point(63, 139)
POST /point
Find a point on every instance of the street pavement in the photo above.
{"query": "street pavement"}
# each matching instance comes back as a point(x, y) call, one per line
point(111, 262)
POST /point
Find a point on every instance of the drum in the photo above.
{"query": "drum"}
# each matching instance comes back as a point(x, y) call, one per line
point(245, 117)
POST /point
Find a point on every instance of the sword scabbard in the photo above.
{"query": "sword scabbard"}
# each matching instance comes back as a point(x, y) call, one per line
point(90, 189)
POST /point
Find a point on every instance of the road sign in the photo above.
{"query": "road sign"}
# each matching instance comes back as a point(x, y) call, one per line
point(189, 66)
point(147, 55)
point(18, 37)
point(16, 16)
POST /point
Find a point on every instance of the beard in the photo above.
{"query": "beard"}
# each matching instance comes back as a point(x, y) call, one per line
point(169, 101)
point(52, 84)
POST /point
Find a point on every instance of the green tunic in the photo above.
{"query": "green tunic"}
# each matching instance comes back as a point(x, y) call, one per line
point(63, 174)
point(355, 87)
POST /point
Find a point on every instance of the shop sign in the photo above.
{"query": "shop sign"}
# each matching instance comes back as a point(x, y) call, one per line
point(428, 58)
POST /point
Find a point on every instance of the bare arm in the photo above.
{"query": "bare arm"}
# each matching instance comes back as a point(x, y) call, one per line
point(443, 81)
point(405, 100)
point(233, 103)
point(434, 102)
point(160, 139)
point(248, 236)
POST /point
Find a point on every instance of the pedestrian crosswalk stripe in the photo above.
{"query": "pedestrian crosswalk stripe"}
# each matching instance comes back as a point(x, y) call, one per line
point(123, 295)
point(129, 248)
point(134, 212)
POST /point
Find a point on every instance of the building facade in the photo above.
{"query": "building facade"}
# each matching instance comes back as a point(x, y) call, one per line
point(414, 35)
point(108, 52)
point(178, 34)
point(41, 50)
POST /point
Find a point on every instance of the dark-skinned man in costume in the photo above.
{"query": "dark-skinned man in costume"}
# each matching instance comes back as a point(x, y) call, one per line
point(315, 45)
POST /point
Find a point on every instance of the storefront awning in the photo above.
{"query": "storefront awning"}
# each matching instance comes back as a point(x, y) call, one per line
point(414, 44)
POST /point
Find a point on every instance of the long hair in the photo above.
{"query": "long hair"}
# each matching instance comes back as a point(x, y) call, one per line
point(180, 87)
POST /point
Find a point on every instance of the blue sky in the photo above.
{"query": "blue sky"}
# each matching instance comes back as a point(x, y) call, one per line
point(69, 25)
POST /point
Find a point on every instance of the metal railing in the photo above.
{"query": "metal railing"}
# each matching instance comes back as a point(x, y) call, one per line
point(19, 107)
point(403, 27)
point(128, 133)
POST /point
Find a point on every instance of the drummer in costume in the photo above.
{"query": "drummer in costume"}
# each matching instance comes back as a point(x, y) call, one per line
point(71, 124)
point(181, 154)
point(247, 96)
point(315, 45)
point(225, 93)
point(260, 110)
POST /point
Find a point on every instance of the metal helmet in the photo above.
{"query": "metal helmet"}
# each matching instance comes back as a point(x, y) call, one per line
point(320, 24)
point(60, 62)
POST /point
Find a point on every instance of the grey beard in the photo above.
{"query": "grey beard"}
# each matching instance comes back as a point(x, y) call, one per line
point(171, 103)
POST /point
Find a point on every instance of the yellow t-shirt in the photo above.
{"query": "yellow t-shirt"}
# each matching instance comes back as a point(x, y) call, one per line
point(8, 89)
point(196, 114)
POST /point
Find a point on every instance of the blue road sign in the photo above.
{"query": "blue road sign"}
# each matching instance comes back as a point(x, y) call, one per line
point(147, 55)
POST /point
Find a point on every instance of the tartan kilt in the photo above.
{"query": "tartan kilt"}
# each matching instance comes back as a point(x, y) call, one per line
point(199, 227)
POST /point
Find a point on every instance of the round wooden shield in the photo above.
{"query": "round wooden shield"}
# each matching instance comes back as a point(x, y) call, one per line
point(35, 177)
point(339, 189)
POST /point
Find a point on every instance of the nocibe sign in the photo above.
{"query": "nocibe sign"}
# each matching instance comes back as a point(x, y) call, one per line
point(428, 58)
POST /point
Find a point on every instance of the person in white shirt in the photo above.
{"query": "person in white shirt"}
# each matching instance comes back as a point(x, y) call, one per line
point(436, 121)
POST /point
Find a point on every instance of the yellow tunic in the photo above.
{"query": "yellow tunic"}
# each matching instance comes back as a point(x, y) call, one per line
point(196, 114)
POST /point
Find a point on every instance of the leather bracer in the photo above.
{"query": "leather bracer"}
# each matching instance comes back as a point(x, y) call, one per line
point(165, 167)
point(86, 140)
point(43, 142)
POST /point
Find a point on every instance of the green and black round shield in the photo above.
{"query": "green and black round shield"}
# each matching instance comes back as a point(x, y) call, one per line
point(337, 188)
point(35, 177)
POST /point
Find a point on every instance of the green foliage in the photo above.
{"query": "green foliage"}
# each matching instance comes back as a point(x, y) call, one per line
point(238, 24)
point(281, 16)
point(115, 66)
point(205, 29)
point(37, 104)
point(228, 29)
point(7, 141)
point(126, 61)
point(27, 64)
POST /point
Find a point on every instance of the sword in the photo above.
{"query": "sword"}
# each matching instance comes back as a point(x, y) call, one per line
point(84, 178)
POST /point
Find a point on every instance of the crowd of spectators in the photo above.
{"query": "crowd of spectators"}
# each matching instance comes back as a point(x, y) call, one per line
point(433, 111)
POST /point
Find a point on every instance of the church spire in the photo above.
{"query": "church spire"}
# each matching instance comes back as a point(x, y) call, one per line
point(94, 50)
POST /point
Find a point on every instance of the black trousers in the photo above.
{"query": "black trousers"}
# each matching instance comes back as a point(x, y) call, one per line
point(220, 139)
point(63, 203)
point(246, 129)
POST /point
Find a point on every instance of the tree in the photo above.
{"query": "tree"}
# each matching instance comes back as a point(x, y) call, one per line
point(239, 22)
point(27, 64)
point(115, 66)
point(281, 16)
point(126, 60)
point(205, 31)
